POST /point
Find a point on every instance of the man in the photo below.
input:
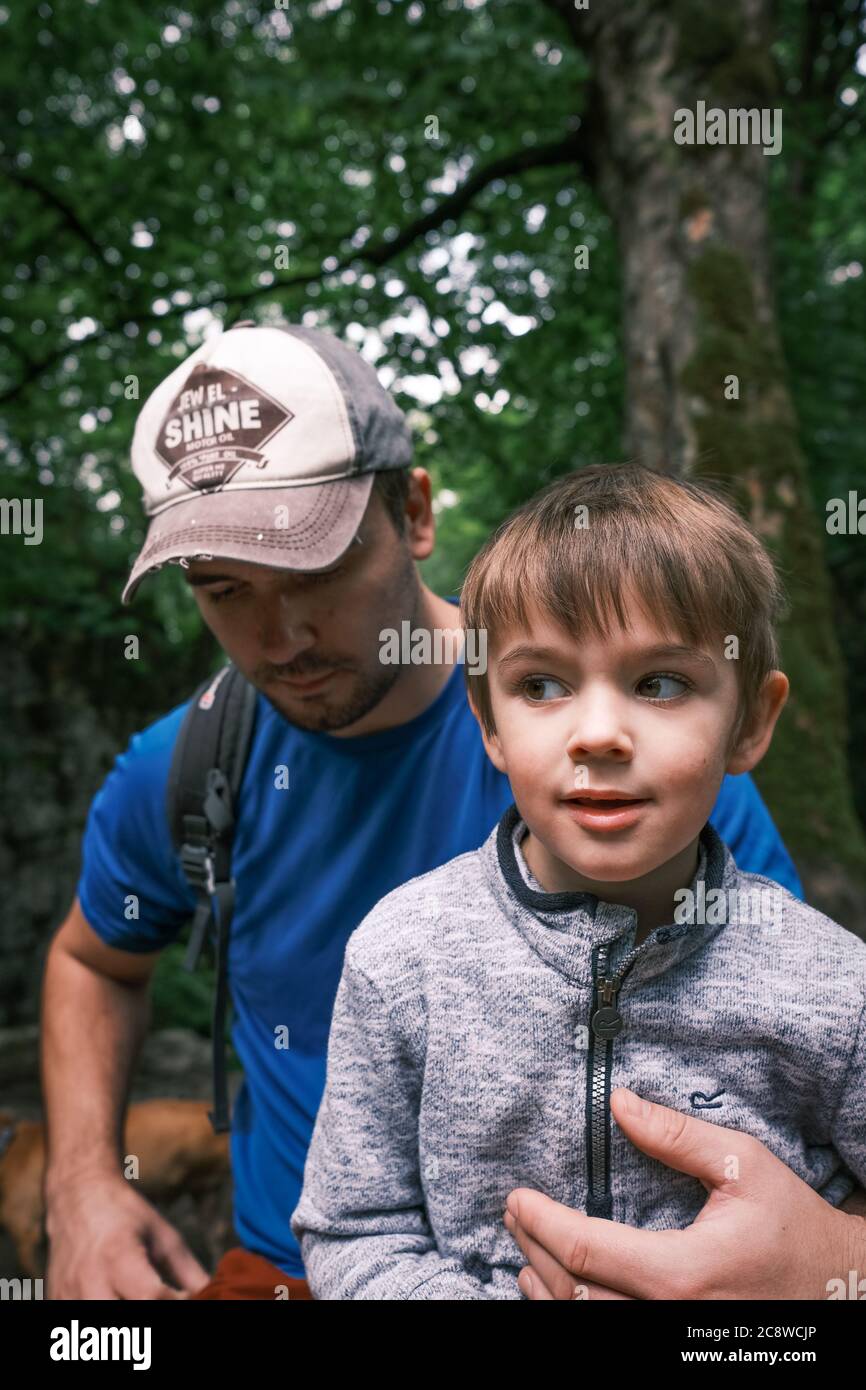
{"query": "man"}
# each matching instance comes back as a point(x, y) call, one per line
point(276, 470)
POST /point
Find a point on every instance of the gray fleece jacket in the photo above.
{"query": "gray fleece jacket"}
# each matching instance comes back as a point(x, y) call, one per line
point(474, 1046)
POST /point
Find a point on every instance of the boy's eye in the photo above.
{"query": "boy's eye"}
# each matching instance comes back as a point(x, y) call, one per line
point(217, 596)
point(534, 686)
point(661, 686)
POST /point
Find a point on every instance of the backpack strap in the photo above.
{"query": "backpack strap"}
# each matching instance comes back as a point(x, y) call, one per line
point(203, 784)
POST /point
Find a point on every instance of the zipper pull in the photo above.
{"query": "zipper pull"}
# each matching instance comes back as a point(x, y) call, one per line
point(606, 1022)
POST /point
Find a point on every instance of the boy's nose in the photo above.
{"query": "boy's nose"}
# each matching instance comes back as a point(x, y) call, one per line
point(599, 732)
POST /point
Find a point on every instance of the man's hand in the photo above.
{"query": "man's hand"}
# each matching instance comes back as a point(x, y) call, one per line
point(763, 1234)
point(107, 1241)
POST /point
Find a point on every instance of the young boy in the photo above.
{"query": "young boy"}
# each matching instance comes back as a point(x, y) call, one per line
point(602, 935)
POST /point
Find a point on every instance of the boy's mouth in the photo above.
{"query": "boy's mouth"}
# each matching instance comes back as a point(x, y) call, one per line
point(605, 810)
point(604, 799)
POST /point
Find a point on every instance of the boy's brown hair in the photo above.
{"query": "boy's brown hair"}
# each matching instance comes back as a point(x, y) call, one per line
point(682, 545)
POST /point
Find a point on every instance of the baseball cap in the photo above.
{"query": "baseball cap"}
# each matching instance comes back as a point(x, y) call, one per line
point(261, 446)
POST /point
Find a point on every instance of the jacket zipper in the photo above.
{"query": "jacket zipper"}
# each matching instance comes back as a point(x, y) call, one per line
point(605, 1023)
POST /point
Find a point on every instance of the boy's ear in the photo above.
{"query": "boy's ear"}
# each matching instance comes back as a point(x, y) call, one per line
point(755, 740)
point(491, 741)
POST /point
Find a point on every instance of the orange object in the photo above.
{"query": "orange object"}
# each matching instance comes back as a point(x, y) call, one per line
point(241, 1274)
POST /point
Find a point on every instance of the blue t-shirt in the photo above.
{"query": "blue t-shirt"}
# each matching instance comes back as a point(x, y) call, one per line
point(359, 817)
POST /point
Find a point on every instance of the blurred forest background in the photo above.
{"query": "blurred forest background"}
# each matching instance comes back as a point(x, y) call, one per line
point(485, 197)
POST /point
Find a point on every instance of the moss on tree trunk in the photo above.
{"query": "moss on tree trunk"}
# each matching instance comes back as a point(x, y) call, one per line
point(698, 309)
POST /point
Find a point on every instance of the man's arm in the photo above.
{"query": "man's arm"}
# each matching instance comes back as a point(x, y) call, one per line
point(95, 1013)
point(106, 1240)
point(361, 1220)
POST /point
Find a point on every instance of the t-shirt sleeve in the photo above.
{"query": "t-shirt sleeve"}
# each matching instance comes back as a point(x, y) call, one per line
point(131, 888)
point(747, 828)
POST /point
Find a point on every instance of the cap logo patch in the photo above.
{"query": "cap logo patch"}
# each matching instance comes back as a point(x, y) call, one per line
point(216, 423)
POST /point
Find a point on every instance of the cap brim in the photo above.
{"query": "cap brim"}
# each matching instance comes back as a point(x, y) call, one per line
point(316, 524)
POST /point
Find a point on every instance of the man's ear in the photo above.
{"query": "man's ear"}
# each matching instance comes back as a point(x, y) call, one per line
point(420, 522)
point(754, 741)
point(490, 740)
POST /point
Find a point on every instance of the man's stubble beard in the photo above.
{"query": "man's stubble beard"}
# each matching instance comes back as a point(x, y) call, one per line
point(323, 713)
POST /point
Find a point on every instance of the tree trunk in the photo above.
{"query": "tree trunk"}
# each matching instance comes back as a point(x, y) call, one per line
point(698, 307)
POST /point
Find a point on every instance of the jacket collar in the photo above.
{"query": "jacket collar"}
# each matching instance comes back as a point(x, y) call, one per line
point(565, 929)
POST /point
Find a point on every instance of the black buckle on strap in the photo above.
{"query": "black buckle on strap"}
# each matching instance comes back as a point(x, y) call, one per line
point(195, 860)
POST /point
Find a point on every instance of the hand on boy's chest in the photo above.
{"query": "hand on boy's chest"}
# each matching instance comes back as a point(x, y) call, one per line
point(506, 1077)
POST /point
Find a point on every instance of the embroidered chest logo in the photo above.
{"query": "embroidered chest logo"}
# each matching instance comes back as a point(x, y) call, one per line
point(701, 1102)
point(216, 423)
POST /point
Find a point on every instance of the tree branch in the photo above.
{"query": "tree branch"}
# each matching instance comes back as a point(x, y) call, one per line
point(573, 149)
point(48, 196)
